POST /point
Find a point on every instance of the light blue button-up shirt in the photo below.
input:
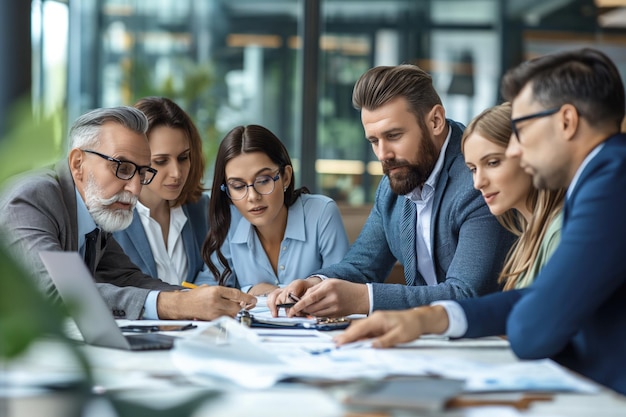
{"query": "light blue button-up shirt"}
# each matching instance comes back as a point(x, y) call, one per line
point(315, 237)
point(85, 222)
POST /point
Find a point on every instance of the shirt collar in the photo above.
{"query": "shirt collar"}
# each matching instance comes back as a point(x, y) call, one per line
point(428, 188)
point(581, 168)
point(84, 219)
point(177, 215)
point(142, 210)
point(295, 225)
point(295, 222)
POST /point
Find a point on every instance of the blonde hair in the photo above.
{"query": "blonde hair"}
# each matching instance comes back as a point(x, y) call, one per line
point(494, 124)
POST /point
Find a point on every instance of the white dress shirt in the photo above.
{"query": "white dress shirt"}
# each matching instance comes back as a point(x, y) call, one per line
point(171, 262)
point(423, 199)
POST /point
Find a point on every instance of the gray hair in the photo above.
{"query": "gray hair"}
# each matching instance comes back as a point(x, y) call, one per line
point(85, 132)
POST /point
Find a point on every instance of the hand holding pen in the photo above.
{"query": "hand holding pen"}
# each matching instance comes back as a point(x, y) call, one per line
point(281, 296)
point(332, 298)
point(205, 302)
point(245, 305)
point(294, 299)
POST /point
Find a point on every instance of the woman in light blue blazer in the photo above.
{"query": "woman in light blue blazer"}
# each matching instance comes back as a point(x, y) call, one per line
point(265, 233)
point(170, 221)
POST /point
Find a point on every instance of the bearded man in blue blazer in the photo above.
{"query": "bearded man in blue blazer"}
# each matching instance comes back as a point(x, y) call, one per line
point(426, 213)
point(567, 111)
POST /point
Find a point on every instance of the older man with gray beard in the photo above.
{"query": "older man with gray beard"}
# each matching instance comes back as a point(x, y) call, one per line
point(77, 204)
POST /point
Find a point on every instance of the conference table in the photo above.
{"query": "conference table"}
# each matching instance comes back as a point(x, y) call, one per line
point(150, 383)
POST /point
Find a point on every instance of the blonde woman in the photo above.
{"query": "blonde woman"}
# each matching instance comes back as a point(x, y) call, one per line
point(531, 214)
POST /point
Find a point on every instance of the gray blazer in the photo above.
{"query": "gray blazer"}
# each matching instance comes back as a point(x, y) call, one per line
point(468, 243)
point(38, 212)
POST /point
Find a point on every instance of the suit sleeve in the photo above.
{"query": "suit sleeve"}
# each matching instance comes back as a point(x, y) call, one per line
point(470, 257)
point(37, 219)
point(31, 226)
point(585, 271)
point(122, 284)
point(369, 259)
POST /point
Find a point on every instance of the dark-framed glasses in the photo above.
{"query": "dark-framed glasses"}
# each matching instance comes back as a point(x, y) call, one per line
point(126, 170)
point(543, 113)
point(238, 190)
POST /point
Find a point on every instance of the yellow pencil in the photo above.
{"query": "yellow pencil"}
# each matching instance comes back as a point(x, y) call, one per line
point(188, 285)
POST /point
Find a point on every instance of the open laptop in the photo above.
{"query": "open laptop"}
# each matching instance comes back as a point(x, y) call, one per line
point(89, 310)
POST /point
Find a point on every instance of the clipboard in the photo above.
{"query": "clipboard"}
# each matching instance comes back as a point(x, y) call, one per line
point(248, 319)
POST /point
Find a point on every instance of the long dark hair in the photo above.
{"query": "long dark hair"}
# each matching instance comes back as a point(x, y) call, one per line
point(240, 140)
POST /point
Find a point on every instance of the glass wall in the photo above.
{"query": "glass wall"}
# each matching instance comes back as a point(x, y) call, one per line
point(49, 25)
point(230, 62)
point(226, 63)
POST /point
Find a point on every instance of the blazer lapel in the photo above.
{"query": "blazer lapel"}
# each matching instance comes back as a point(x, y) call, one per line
point(68, 189)
point(191, 249)
point(137, 237)
point(452, 151)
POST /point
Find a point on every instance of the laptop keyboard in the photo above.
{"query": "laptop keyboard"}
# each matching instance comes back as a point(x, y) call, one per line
point(150, 341)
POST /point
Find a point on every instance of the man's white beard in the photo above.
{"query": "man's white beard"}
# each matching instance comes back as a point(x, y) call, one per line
point(108, 219)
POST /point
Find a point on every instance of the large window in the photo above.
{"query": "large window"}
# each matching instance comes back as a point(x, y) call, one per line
point(231, 62)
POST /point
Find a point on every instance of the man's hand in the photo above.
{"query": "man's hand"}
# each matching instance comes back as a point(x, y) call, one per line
point(281, 295)
point(333, 298)
point(202, 303)
point(389, 328)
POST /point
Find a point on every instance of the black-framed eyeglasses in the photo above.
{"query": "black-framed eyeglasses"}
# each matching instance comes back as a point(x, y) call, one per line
point(126, 170)
point(543, 113)
point(238, 190)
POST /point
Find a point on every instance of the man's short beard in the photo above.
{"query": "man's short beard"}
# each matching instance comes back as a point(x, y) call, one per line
point(403, 183)
point(108, 219)
point(413, 175)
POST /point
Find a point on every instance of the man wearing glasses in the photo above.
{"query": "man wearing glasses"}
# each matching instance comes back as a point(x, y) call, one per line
point(76, 205)
point(567, 111)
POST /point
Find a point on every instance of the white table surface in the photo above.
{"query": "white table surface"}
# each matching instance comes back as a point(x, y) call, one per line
point(151, 378)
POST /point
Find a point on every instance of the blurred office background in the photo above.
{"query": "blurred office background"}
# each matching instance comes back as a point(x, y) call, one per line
point(287, 64)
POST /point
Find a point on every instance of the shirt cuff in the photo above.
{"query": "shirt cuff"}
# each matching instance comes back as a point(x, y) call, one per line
point(370, 294)
point(150, 306)
point(457, 319)
point(322, 277)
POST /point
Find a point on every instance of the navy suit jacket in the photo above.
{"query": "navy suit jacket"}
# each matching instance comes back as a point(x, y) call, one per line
point(468, 243)
point(575, 311)
point(135, 243)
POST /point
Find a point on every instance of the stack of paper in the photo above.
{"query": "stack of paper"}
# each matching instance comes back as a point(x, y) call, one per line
point(229, 351)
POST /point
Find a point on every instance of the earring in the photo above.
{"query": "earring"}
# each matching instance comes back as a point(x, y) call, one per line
point(284, 189)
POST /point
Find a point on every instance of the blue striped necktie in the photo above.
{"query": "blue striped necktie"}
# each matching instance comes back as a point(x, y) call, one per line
point(407, 240)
